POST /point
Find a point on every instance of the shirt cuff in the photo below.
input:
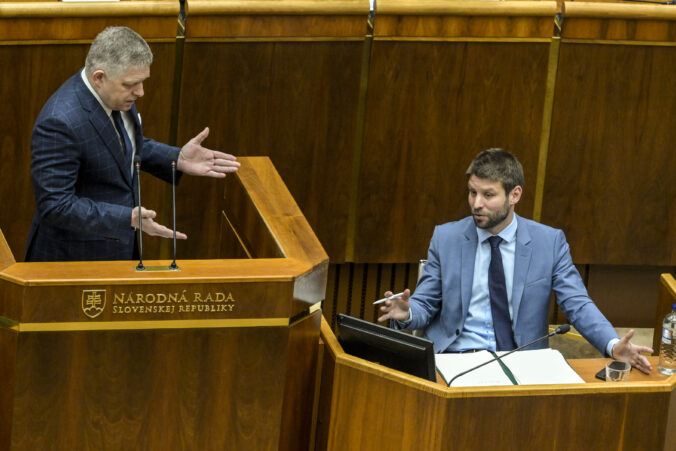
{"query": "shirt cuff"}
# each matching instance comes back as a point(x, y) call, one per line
point(609, 346)
point(405, 324)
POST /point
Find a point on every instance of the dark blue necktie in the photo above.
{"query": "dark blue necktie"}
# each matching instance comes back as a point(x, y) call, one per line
point(502, 324)
point(119, 125)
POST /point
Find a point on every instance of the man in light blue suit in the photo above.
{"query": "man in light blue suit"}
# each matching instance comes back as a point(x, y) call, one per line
point(456, 298)
point(82, 148)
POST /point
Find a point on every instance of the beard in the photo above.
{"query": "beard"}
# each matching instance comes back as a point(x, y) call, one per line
point(492, 219)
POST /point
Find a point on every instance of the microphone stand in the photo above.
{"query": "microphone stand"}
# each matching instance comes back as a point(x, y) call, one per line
point(137, 165)
point(173, 266)
point(564, 328)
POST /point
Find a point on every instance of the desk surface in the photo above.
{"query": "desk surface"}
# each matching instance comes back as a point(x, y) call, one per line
point(587, 369)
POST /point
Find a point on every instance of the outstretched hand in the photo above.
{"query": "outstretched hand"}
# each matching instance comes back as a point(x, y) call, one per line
point(194, 159)
point(397, 308)
point(628, 352)
point(151, 227)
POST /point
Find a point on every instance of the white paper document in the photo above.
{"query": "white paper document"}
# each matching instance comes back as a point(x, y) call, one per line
point(541, 366)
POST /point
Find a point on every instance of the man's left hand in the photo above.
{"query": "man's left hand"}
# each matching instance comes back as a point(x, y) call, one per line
point(194, 159)
point(627, 352)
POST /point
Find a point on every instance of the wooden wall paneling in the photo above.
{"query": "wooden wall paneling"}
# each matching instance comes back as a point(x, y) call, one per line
point(280, 19)
point(372, 292)
point(36, 21)
point(357, 301)
point(436, 98)
point(611, 164)
point(462, 19)
point(627, 295)
point(619, 21)
point(331, 301)
point(291, 95)
point(344, 292)
point(31, 75)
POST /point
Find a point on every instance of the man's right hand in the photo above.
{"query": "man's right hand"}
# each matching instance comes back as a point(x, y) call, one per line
point(398, 308)
point(151, 227)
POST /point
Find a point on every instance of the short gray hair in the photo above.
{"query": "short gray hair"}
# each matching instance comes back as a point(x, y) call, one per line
point(117, 49)
point(497, 165)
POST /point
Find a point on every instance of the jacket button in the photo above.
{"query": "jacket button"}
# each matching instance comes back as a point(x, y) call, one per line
point(457, 331)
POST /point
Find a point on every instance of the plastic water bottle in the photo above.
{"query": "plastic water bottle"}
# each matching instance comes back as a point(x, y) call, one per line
point(667, 363)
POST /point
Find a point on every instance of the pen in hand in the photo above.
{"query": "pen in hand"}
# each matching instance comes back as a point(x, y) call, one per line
point(380, 301)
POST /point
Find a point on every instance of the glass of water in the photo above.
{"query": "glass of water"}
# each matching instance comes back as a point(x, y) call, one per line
point(617, 371)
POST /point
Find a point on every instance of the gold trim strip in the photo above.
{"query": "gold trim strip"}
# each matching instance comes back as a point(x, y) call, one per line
point(618, 42)
point(545, 133)
point(357, 151)
point(459, 39)
point(167, 40)
point(236, 39)
point(161, 324)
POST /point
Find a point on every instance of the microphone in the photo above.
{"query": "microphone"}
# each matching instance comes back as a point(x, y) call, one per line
point(173, 266)
point(562, 329)
point(137, 165)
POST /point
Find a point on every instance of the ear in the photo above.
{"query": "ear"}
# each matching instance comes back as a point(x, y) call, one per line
point(515, 195)
point(97, 77)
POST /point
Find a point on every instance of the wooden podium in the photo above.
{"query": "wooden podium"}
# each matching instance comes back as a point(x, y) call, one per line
point(366, 406)
point(221, 354)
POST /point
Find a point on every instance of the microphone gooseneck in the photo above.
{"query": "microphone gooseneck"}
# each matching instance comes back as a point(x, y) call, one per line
point(137, 165)
point(562, 329)
point(173, 266)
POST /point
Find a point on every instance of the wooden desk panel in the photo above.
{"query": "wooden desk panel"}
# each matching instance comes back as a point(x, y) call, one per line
point(368, 397)
point(79, 374)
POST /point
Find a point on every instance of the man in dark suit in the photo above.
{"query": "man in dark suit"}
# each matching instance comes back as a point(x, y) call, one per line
point(82, 148)
point(489, 277)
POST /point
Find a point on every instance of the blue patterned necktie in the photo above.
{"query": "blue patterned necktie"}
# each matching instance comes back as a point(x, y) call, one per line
point(502, 324)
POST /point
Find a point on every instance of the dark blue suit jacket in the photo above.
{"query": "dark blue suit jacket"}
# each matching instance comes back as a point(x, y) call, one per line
point(542, 264)
point(84, 191)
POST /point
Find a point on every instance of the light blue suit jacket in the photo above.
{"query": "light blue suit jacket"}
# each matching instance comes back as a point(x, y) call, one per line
point(542, 263)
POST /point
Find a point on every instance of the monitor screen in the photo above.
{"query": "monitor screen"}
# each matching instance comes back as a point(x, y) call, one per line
point(391, 348)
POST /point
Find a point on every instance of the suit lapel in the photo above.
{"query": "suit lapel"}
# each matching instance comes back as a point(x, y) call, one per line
point(522, 257)
point(104, 127)
point(468, 255)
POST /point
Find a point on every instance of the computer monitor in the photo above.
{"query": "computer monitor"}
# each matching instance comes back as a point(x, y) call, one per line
point(391, 348)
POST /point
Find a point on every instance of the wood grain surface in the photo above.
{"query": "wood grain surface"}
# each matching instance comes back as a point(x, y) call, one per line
point(187, 379)
point(610, 163)
point(452, 19)
point(435, 107)
point(292, 101)
point(288, 18)
point(35, 21)
point(607, 416)
point(619, 21)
